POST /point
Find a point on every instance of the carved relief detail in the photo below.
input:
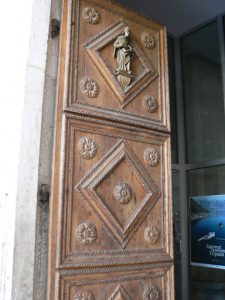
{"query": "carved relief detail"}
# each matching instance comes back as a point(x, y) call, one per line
point(87, 186)
point(151, 293)
point(151, 156)
point(89, 87)
point(86, 233)
point(119, 294)
point(151, 234)
point(122, 192)
point(123, 53)
point(148, 40)
point(84, 295)
point(150, 104)
point(90, 15)
point(124, 88)
point(87, 147)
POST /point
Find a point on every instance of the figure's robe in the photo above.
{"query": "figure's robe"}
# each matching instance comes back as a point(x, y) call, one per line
point(122, 53)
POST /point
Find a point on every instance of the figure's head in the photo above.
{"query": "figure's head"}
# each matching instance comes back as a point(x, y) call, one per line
point(126, 31)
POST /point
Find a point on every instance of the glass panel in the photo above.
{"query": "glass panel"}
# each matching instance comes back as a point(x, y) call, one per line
point(203, 95)
point(207, 233)
point(177, 233)
point(172, 93)
point(207, 181)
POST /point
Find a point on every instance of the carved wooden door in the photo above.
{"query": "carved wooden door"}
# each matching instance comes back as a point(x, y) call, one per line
point(111, 218)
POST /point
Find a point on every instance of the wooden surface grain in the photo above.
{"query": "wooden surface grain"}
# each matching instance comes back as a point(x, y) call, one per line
point(111, 207)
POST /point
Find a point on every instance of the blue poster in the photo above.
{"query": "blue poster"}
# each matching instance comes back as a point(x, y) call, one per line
point(207, 231)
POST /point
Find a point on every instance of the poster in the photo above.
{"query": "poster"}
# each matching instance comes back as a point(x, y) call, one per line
point(207, 231)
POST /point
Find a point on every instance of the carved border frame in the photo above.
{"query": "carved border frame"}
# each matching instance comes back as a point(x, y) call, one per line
point(73, 104)
point(66, 280)
point(67, 258)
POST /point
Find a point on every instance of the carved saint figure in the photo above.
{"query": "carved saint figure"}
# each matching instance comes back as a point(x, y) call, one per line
point(123, 52)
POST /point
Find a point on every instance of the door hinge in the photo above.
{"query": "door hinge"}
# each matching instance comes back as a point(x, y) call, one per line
point(55, 28)
point(44, 193)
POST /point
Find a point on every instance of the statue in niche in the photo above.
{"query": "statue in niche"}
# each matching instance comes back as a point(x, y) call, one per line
point(123, 54)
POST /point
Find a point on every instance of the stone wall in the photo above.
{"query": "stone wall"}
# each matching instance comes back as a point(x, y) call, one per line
point(29, 69)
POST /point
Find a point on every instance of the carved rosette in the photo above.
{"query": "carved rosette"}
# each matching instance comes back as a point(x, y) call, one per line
point(89, 87)
point(87, 147)
point(151, 293)
point(148, 40)
point(90, 15)
point(151, 156)
point(122, 193)
point(151, 234)
point(150, 104)
point(84, 295)
point(86, 233)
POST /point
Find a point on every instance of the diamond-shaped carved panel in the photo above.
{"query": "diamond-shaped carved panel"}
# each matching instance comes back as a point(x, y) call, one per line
point(103, 43)
point(121, 176)
point(121, 223)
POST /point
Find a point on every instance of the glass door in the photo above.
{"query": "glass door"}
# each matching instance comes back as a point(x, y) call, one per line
point(202, 65)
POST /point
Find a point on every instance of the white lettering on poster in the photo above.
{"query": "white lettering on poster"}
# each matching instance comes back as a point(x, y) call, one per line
point(215, 251)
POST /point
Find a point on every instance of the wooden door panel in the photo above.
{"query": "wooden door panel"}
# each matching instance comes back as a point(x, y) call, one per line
point(92, 63)
point(146, 283)
point(111, 207)
point(101, 163)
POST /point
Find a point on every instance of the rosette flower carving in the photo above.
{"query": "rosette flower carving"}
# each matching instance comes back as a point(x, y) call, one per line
point(84, 295)
point(87, 147)
point(150, 104)
point(122, 193)
point(89, 87)
point(148, 40)
point(86, 233)
point(151, 293)
point(90, 15)
point(151, 234)
point(151, 156)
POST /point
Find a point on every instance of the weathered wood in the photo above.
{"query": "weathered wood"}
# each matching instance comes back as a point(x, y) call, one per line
point(111, 210)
